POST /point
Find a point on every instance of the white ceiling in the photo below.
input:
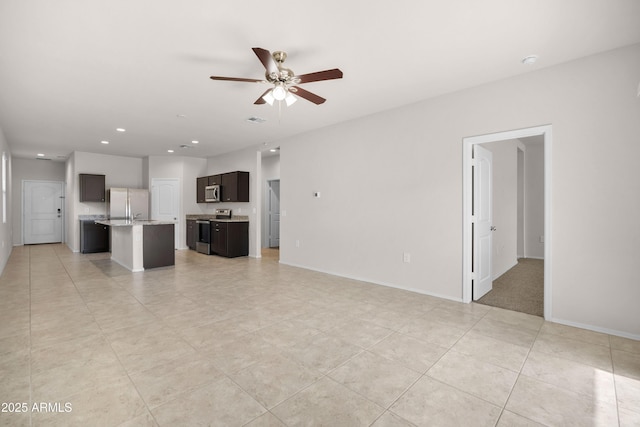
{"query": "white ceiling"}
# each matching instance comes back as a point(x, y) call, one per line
point(72, 71)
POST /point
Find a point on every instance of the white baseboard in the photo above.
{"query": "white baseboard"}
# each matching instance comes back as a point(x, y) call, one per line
point(596, 328)
point(374, 282)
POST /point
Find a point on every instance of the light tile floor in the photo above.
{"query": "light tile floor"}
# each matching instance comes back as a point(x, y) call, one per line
point(235, 342)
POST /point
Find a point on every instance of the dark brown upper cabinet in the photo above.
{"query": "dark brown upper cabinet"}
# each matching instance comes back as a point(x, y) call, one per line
point(92, 187)
point(235, 187)
point(201, 183)
point(215, 180)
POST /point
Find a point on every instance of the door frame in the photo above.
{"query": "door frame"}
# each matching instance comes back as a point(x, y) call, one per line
point(268, 210)
point(264, 240)
point(467, 196)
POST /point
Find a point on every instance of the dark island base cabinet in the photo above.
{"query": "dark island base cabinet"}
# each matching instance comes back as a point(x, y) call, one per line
point(158, 246)
point(230, 239)
point(94, 237)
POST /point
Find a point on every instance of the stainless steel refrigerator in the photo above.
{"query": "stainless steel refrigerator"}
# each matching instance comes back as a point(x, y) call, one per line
point(128, 203)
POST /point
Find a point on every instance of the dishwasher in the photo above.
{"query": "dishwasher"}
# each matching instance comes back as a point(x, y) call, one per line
point(203, 236)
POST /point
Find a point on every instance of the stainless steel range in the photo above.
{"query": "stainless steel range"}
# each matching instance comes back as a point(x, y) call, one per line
point(203, 230)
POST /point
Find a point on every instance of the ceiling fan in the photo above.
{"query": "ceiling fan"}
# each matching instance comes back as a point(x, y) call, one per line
point(285, 82)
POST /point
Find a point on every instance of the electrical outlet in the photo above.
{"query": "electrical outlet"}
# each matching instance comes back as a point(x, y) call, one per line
point(297, 243)
point(541, 239)
point(406, 257)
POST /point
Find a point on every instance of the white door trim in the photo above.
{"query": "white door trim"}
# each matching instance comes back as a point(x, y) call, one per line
point(467, 192)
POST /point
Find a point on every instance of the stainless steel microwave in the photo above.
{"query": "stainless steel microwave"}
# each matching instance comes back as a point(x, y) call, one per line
point(212, 193)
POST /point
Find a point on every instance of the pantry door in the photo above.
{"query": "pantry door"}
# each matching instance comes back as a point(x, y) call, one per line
point(165, 203)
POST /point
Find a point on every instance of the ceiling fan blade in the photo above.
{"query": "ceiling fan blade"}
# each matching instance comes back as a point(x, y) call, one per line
point(321, 75)
point(308, 95)
point(261, 100)
point(236, 79)
point(267, 60)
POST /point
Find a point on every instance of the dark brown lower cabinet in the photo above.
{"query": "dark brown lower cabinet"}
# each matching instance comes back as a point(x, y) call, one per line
point(93, 237)
point(191, 234)
point(230, 239)
point(158, 246)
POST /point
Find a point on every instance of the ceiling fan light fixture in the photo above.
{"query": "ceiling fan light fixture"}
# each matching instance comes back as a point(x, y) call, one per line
point(290, 99)
point(268, 97)
point(279, 93)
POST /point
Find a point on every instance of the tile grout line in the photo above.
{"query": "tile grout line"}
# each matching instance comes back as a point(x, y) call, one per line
point(613, 375)
point(506, 402)
point(30, 341)
point(103, 336)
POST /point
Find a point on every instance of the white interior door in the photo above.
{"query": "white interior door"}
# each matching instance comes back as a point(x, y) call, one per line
point(274, 214)
point(482, 224)
point(42, 211)
point(165, 202)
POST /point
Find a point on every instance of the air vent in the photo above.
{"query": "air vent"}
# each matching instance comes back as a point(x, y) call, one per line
point(187, 146)
point(254, 119)
point(42, 158)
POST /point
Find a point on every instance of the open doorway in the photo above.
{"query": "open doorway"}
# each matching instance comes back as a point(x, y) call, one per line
point(517, 249)
point(474, 255)
point(273, 213)
point(270, 206)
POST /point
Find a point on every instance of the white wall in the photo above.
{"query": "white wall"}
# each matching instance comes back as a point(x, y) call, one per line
point(6, 237)
point(534, 200)
point(505, 205)
point(30, 169)
point(270, 168)
point(392, 183)
point(119, 171)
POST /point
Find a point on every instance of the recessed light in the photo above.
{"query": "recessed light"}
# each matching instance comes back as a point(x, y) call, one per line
point(120, 129)
point(528, 60)
point(195, 142)
point(104, 142)
point(169, 151)
point(40, 155)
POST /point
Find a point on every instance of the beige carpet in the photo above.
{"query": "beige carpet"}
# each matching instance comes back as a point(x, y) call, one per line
point(519, 289)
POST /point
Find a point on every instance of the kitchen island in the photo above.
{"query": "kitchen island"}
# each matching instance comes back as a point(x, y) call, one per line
point(141, 244)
